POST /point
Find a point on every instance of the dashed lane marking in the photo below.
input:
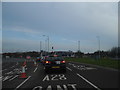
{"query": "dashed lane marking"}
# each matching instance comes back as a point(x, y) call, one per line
point(69, 68)
point(35, 69)
point(88, 82)
point(23, 82)
point(13, 78)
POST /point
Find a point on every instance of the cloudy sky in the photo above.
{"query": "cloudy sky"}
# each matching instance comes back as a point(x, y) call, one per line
point(66, 23)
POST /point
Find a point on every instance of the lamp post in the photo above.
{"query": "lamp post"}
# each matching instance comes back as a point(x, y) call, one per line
point(98, 45)
point(79, 46)
point(48, 41)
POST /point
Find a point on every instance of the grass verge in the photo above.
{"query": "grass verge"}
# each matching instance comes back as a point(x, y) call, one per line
point(107, 62)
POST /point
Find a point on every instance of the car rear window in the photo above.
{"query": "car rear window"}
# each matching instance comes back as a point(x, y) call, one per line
point(54, 58)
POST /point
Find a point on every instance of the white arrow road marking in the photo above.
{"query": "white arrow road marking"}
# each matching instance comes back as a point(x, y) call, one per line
point(23, 82)
point(69, 68)
point(13, 78)
point(88, 82)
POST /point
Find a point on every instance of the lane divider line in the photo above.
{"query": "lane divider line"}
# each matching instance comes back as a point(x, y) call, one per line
point(13, 78)
point(88, 82)
point(35, 69)
point(69, 68)
point(23, 82)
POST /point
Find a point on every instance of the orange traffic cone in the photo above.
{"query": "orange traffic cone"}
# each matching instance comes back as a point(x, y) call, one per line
point(24, 64)
point(23, 73)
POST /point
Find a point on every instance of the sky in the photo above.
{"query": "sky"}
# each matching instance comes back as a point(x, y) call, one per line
point(65, 23)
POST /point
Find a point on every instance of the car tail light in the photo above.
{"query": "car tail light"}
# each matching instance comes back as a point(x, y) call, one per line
point(62, 61)
point(47, 62)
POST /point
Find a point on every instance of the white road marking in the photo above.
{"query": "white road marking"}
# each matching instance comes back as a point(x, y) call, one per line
point(73, 86)
point(11, 72)
point(90, 68)
point(35, 69)
point(49, 87)
point(46, 78)
point(3, 70)
point(23, 82)
point(0, 78)
point(59, 87)
point(6, 78)
point(38, 87)
point(69, 68)
point(13, 78)
point(12, 66)
point(88, 82)
point(65, 87)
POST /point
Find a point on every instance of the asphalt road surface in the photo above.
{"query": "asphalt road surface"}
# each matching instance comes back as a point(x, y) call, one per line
point(78, 76)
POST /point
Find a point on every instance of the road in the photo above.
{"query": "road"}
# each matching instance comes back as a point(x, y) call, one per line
point(78, 76)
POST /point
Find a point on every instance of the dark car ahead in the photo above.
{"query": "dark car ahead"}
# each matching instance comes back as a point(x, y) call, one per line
point(38, 59)
point(54, 63)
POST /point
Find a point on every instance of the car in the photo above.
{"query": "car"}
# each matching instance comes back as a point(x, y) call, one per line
point(43, 59)
point(38, 59)
point(54, 63)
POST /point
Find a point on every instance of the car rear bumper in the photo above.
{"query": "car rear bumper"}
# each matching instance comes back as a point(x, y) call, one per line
point(55, 67)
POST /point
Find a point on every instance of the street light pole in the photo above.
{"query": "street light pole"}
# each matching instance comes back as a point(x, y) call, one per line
point(40, 47)
point(48, 44)
point(48, 41)
point(99, 45)
point(78, 45)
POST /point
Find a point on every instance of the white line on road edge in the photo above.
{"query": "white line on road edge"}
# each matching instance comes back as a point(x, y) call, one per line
point(23, 82)
point(88, 82)
point(69, 68)
point(13, 77)
point(35, 69)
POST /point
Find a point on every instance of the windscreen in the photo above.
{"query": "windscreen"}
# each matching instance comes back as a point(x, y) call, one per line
point(54, 58)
